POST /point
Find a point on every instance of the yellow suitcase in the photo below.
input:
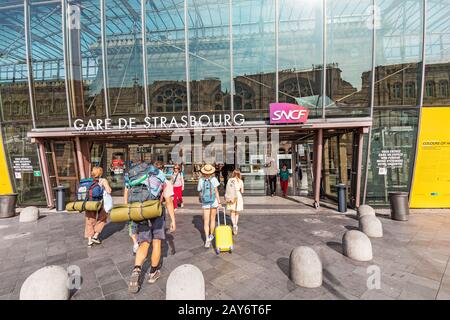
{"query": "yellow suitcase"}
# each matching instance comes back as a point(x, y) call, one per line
point(223, 234)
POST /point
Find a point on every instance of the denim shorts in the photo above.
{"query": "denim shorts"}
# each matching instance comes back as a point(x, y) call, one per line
point(152, 229)
point(213, 205)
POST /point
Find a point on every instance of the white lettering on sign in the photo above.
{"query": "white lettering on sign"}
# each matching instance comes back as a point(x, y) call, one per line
point(288, 115)
point(389, 159)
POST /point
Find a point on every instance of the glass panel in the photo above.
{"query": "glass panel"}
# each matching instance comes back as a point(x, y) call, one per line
point(166, 58)
point(24, 164)
point(392, 153)
point(125, 70)
point(437, 67)
point(349, 57)
point(48, 65)
point(300, 54)
point(254, 57)
point(398, 52)
point(66, 167)
point(14, 95)
point(209, 54)
point(85, 59)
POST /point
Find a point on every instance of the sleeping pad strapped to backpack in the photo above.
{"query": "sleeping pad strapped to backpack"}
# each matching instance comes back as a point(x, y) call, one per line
point(89, 196)
point(144, 195)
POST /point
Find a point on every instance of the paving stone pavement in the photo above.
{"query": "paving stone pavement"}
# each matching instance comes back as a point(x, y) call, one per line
point(412, 256)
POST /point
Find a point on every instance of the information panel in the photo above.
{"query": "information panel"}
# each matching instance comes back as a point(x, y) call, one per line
point(431, 187)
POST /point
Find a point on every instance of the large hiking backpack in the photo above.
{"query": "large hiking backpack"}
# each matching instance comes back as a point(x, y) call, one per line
point(208, 193)
point(89, 190)
point(147, 186)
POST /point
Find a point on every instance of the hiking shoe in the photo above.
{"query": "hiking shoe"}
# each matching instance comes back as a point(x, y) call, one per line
point(135, 248)
point(133, 285)
point(95, 240)
point(154, 276)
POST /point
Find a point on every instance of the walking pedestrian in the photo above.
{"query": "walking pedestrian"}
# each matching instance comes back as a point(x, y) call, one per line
point(178, 186)
point(271, 170)
point(210, 200)
point(284, 179)
point(152, 232)
point(234, 199)
point(95, 221)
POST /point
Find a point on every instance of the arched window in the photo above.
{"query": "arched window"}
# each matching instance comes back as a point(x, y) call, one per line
point(410, 90)
point(397, 90)
point(170, 98)
point(244, 96)
point(443, 88)
point(430, 88)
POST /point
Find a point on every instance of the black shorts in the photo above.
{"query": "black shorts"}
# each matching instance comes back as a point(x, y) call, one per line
point(152, 229)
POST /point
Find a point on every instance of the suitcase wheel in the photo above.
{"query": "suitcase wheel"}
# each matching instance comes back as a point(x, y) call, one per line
point(217, 250)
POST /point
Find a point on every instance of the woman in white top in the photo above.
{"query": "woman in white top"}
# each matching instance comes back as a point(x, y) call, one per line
point(178, 186)
point(236, 205)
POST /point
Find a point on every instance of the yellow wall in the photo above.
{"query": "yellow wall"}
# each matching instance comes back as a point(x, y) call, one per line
point(5, 182)
point(431, 187)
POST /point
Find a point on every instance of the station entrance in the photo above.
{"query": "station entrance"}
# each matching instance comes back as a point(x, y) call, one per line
point(318, 161)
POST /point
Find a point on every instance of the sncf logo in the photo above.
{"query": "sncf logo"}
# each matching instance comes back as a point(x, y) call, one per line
point(287, 113)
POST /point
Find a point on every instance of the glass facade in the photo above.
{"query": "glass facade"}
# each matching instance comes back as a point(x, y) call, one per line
point(67, 59)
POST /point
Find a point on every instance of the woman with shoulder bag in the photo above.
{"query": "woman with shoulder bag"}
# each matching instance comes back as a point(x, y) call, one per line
point(234, 199)
point(178, 186)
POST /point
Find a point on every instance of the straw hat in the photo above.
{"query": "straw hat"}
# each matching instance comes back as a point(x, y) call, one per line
point(208, 169)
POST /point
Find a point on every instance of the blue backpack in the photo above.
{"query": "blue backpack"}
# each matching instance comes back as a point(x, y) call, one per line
point(208, 193)
point(89, 190)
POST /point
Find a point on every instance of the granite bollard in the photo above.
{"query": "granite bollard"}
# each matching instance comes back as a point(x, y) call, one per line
point(305, 267)
point(47, 283)
point(357, 246)
point(29, 214)
point(186, 282)
point(371, 226)
point(365, 210)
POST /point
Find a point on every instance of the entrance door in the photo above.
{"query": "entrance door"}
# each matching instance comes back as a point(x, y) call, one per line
point(337, 164)
point(63, 167)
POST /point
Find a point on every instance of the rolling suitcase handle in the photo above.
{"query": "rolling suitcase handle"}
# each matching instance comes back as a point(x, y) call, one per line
point(224, 216)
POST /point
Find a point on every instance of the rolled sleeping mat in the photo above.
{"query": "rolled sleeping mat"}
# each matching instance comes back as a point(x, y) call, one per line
point(136, 211)
point(77, 206)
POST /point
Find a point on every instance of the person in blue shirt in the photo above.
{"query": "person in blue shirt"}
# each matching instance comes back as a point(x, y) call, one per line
point(210, 199)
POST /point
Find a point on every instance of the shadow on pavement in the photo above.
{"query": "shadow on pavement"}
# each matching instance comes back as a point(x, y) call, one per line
point(336, 246)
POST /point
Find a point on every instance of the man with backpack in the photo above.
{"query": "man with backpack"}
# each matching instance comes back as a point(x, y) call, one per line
point(151, 231)
point(210, 199)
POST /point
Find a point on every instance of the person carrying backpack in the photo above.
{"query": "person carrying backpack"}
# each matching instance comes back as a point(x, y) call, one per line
point(210, 199)
point(151, 231)
point(234, 199)
point(95, 221)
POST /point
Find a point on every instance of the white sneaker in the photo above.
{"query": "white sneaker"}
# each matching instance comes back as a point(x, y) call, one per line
point(135, 248)
point(90, 242)
point(207, 243)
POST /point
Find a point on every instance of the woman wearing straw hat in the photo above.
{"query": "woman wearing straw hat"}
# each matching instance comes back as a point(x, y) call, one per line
point(210, 199)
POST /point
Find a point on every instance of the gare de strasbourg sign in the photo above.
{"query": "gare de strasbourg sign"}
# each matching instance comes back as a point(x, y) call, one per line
point(280, 113)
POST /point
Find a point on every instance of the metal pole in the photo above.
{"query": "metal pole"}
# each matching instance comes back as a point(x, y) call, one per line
point(144, 56)
point(104, 57)
point(186, 56)
point(26, 18)
point(277, 22)
point(66, 65)
point(360, 136)
point(324, 56)
point(371, 103)
point(230, 30)
point(318, 146)
point(421, 92)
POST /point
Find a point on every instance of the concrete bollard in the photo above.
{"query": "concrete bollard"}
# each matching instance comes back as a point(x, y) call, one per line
point(371, 226)
point(305, 267)
point(365, 210)
point(186, 282)
point(48, 283)
point(357, 246)
point(29, 214)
